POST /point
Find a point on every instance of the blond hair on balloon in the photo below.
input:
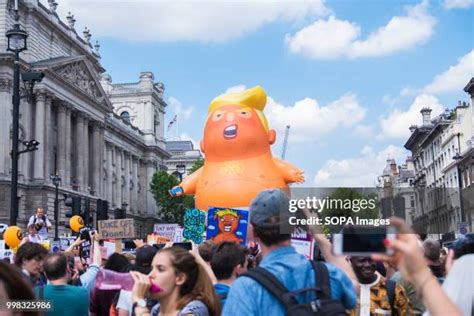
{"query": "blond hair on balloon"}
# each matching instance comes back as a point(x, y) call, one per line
point(254, 98)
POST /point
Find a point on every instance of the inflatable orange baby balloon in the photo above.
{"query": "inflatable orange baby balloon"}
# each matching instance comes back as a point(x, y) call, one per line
point(238, 161)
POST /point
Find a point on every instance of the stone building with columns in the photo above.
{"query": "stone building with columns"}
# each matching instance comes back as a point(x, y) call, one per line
point(76, 117)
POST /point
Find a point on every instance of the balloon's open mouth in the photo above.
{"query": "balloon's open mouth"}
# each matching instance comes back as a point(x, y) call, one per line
point(230, 131)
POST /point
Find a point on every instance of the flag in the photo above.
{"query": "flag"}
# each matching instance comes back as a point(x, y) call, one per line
point(172, 122)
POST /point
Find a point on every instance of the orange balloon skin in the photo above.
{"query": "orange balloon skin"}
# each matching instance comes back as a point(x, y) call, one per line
point(238, 161)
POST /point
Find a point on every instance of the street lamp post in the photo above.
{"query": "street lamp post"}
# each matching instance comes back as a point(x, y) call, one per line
point(16, 44)
point(181, 169)
point(56, 181)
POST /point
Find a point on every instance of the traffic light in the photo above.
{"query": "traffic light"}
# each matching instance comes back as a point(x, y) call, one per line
point(74, 202)
point(119, 213)
point(102, 210)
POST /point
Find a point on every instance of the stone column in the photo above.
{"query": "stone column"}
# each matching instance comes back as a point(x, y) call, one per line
point(5, 124)
point(79, 149)
point(109, 167)
point(134, 199)
point(67, 148)
point(48, 140)
point(38, 172)
point(102, 159)
point(96, 158)
point(86, 185)
point(126, 173)
point(62, 141)
point(151, 205)
point(118, 168)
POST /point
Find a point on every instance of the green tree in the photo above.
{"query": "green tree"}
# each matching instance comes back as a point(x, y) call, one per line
point(170, 209)
point(197, 164)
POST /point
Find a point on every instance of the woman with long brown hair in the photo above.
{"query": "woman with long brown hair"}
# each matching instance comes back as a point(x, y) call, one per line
point(179, 283)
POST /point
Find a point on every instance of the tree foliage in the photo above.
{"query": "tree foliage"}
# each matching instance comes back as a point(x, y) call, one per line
point(171, 209)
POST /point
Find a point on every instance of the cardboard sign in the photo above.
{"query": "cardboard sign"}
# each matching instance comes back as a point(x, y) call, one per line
point(65, 242)
point(154, 239)
point(178, 235)
point(194, 225)
point(6, 254)
point(227, 224)
point(117, 228)
point(166, 230)
point(303, 243)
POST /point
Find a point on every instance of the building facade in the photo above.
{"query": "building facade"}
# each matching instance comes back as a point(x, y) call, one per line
point(75, 116)
point(183, 157)
point(396, 190)
point(439, 147)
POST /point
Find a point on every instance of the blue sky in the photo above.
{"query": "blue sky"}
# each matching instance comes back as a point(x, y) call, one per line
point(349, 76)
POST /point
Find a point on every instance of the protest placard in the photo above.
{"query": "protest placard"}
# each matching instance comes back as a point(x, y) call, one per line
point(302, 241)
point(117, 228)
point(227, 224)
point(153, 239)
point(194, 225)
point(165, 230)
point(178, 235)
point(65, 242)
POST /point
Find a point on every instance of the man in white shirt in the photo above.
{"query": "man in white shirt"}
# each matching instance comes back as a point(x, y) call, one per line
point(41, 221)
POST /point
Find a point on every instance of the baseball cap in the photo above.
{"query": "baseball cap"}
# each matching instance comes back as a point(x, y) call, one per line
point(143, 258)
point(271, 203)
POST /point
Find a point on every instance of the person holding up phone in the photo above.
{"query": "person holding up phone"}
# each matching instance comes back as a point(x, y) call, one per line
point(41, 221)
point(410, 261)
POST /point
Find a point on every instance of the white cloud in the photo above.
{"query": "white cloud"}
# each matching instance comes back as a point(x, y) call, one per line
point(333, 38)
point(193, 20)
point(458, 4)
point(237, 88)
point(309, 120)
point(364, 131)
point(396, 124)
point(455, 78)
point(177, 108)
point(361, 171)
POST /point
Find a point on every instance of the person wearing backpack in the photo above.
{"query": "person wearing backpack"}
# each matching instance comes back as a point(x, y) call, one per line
point(286, 282)
point(378, 295)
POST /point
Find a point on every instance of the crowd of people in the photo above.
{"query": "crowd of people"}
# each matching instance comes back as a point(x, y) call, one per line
point(266, 277)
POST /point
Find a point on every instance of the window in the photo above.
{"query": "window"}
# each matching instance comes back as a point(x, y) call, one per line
point(125, 117)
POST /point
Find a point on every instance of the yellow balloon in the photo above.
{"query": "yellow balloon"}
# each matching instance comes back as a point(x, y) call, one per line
point(76, 222)
point(13, 236)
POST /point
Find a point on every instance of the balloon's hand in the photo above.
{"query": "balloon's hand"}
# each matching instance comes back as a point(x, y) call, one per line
point(297, 176)
point(176, 191)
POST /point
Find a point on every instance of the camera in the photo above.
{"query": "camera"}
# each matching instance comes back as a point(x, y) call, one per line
point(85, 232)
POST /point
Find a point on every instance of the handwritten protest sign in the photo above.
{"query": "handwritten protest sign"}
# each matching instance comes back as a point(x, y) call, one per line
point(227, 224)
point(117, 228)
point(194, 225)
point(165, 230)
